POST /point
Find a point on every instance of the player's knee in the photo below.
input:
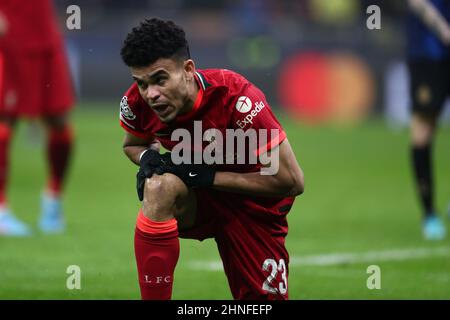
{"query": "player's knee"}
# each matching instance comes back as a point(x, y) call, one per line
point(422, 135)
point(57, 123)
point(160, 195)
point(163, 185)
point(422, 130)
point(154, 188)
point(421, 139)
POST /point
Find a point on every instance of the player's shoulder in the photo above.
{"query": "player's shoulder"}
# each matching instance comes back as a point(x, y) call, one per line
point(131, 104)
point(132, 92)
point(221, 78)
point(131, 98)
point(135, 115)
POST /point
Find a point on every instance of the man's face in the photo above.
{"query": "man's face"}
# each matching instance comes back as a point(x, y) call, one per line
point(164, 85)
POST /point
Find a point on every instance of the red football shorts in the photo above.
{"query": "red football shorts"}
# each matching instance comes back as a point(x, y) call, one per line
point(250, 240)
point(35, 84)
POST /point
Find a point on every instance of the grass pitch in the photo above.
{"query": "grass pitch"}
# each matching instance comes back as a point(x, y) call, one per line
point(359, 209)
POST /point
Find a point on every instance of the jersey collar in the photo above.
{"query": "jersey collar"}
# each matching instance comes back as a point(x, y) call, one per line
point(198, 100)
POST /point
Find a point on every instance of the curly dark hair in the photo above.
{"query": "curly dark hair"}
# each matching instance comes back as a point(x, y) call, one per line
point(153, 39)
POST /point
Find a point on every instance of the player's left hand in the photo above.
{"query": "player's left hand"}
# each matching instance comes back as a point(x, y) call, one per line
point(193, 175)
point(150, 161)
point(140, 183)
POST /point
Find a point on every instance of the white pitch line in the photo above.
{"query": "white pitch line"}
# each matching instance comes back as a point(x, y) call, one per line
point(344, 258)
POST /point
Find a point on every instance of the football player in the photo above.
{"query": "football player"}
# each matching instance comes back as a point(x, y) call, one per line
point(231, 201)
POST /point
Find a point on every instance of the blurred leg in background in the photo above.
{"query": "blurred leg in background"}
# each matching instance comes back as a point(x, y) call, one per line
point(35, 84)
point(59, 149)
point(429, 82)
point(422, 133)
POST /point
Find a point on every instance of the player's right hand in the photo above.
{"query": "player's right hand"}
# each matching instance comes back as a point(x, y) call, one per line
point(149, 162)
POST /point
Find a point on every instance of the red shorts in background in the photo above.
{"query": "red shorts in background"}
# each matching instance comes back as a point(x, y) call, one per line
point(35, 84)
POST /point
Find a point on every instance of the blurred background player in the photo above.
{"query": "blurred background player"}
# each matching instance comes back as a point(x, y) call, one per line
point(429, 65)
point(34, 83)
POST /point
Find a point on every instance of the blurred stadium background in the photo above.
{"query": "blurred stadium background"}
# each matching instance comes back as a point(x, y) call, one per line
point(341, 92)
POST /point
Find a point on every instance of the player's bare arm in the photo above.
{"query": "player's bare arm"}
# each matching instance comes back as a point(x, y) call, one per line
point(288, 181)
point(134, 146)
point(432, 18)
point(3, 24)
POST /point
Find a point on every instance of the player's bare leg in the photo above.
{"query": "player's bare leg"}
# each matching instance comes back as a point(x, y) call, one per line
point(422, 129)
point(9, 224)
point(166, 197)
point(422, 133)
point(168, 205)
point(59, 149)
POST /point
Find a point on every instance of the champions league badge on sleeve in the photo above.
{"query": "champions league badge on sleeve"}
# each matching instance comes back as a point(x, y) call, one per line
point(125, 110)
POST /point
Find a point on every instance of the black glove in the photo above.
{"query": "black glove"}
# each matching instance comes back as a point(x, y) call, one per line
point(193, 175)
point(140, 183)
point(149, 162)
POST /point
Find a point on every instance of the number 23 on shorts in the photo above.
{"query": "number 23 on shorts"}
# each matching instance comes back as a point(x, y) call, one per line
point(273, 267)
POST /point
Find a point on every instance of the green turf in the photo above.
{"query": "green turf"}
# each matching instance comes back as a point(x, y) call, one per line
point(359, 197)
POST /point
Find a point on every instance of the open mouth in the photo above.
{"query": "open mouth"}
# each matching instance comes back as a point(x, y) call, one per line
point(161, 109)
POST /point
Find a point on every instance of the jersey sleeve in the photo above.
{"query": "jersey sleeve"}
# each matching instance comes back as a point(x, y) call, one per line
point(252, 112)
point(132, 115)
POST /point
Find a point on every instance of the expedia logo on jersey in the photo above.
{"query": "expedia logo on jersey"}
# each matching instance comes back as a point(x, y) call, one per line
point(125, 110)
point(248, 119)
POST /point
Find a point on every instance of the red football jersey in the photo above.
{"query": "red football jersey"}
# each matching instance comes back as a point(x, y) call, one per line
point(226, 100)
